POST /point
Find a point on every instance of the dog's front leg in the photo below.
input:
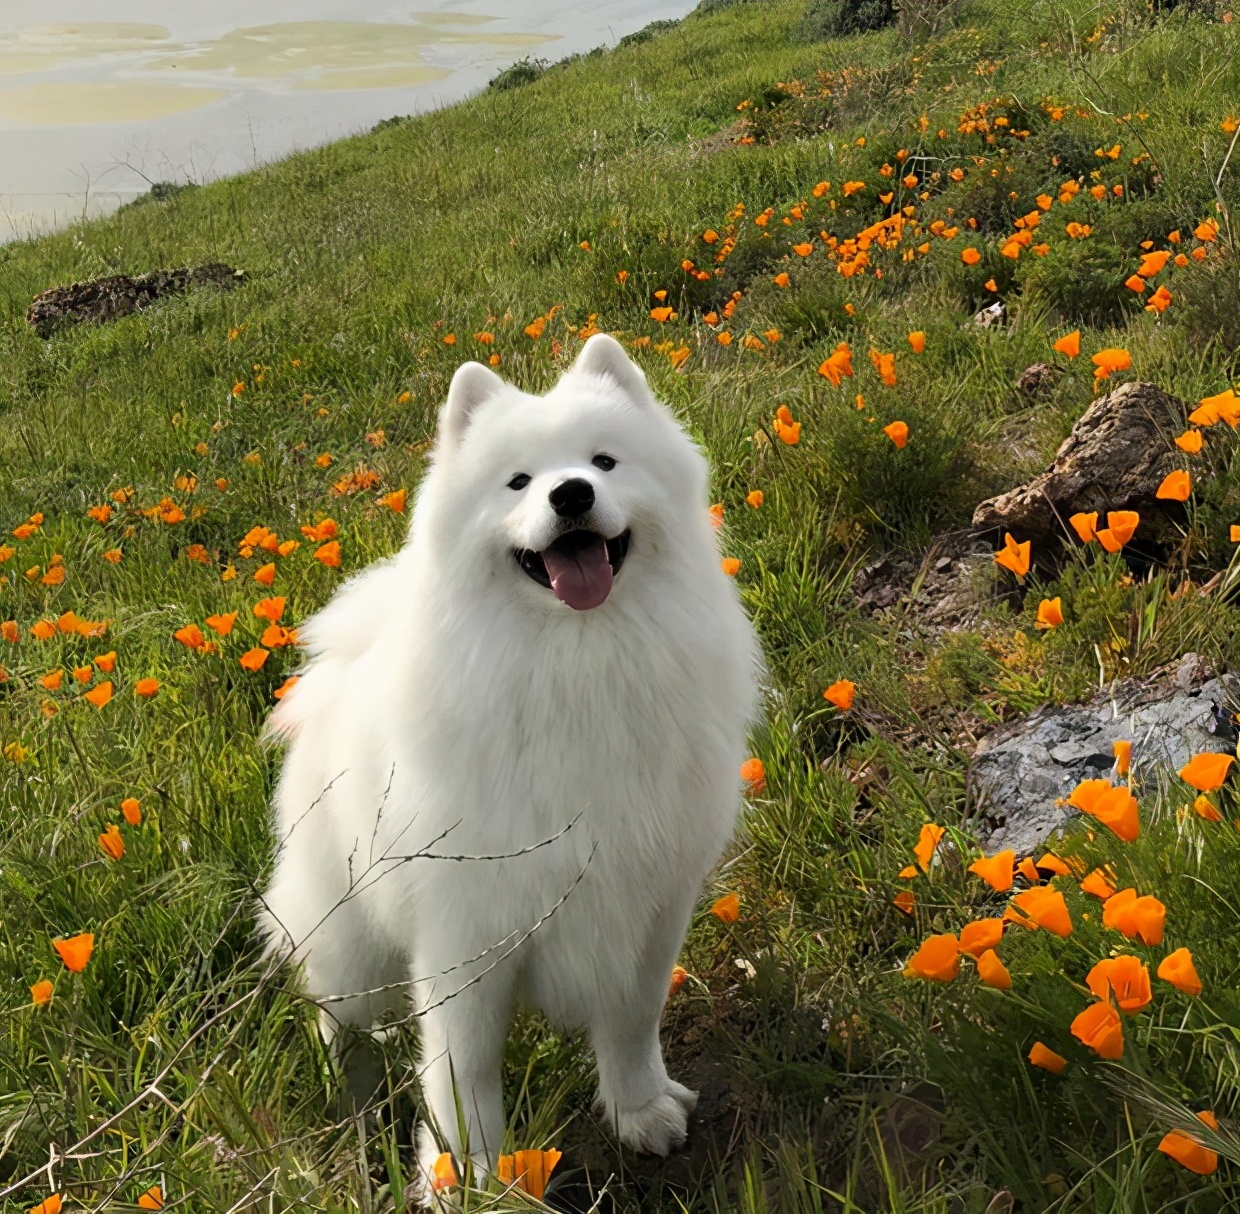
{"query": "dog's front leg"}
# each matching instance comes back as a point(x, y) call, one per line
point(462, 1052)
point(649, 1111)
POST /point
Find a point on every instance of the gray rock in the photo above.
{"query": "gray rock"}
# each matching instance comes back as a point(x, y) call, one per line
point(1020, 774)
point(1117, 455)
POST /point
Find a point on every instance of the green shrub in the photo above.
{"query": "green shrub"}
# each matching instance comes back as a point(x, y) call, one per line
point(839, 18)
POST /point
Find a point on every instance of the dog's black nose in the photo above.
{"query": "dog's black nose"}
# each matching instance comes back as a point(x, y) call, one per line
point(572, 498)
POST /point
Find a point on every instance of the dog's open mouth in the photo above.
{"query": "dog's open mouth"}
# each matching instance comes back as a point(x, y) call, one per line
point(578, 568)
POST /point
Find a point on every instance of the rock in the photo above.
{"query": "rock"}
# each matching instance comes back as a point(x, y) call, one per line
point(105, 299)
point(1019, 773)
point(1115, 458)
point(943, 587)
point(1036, 378)
point(987, 318)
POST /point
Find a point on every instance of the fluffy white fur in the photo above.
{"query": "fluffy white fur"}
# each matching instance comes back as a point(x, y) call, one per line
point(454, 706)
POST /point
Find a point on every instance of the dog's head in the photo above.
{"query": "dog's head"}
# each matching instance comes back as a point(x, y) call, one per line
point(565, 495)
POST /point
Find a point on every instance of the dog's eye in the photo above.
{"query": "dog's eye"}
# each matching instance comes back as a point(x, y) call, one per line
point(604, 462)
point(519, 481)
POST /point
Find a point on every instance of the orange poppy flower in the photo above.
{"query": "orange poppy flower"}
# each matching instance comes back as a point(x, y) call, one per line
point(111, 842)
point(1188, 1152)
point(1085, 525)
point(190, 636)
point(970, 256)
point(329, 554)
point(285, 687)
point(1053, 864)
point(927, 842)
point(730, 565)
point(324, 530)
point(781, 279)
point(1189, 442)
point(917, 340)
point(443, 1173)
point(132, 810)
point(885, 365)
point(1099, 884)
point(1141, 918)
point(1027, 869)
point(993, 972)
point(998, 871)
point(662, 314)
point(1110, 360)
point(755, 498)
point(1160, 301)
point(1050, 613)
point(75, 951)
point(898, 433)
point(266, 574)
point(222, 625)
point(53, 680)
point(1203, 807)
point(937, 960)
point(1099, 1027)
point(394, 501)
point(1152, 263)
point(1122, 750)
point(838, 366)
point(1206, 772)
point(904, 901)
point(49, 1205)
point(1069, 345)
point(41, 992)
point(529, 1171)
point(716, 515)
point(1176, 486)
point(99, 695)
point(727, 909)
point(1126, 978)
point(1014, 556)
point(1047, 1059)
point(10, 632)
point(270, 609)
point(146, 688)
point(43, 630)
point(252, 659)
point(841, 693)
point(980, 935)
point(753, 773)
point(152, 1199)
point(679, 975)
point(1045, 907)
point(1178, 969)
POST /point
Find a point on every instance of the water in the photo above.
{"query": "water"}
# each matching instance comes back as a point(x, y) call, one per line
point(99, 99)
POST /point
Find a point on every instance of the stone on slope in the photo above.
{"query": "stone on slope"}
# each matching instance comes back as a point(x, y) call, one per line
point(104, 299)
point(1117, 455)
point(1020, 773)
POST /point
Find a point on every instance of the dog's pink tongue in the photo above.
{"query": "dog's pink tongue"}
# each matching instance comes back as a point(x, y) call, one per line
point(581, 578)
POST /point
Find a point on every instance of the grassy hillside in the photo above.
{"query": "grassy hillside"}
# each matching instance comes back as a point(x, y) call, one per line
point(730, 161)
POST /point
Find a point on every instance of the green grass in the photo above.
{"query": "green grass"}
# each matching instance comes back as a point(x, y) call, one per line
point(830, 1081)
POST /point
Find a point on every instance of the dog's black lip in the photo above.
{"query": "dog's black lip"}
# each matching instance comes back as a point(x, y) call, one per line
point(532, 563)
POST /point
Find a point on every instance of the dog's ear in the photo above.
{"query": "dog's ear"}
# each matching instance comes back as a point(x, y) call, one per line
point(471, 385)
point(604, 355)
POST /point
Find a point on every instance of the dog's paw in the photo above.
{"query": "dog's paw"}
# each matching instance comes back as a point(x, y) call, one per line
point(660, 1126)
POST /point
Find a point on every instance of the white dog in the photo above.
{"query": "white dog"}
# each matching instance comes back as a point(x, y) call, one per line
point(513, 758)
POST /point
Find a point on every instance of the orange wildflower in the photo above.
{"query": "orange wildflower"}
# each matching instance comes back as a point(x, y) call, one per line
point(1099, 884)
point(529, 1171)
point(753, 773)
point(1176, 486)
point(253, 659)
point(998, 871)
point(152, 1199)
point(898, 433)
point(993, 972)
point(1014, 556)
point(222, 625)
point(1045, 907)
point(1126, 978)
point(1045, 1058)
point(1050, 613)
point(266, 574)
point(269, 609)
point(937, 960)
point(1099, 1027)
point(1141, 918)
point(917, 340)
point(75, 951)
point(1206, 772)
point(970, 256)
point(927, 842)
point(329, 554)
point(132, 810)
point(980, 935)
point(111, 842)
point(730, 565)
point(99, 695)
point(755, 498)
point(1188, 1152)
point(191, 637)
point(1178, 969)
point(1085, 525)
point(1189, 442)
point(727, 909)
point(41, 992)
point(1122, 750)
point(146, 688)
point(841, 694)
